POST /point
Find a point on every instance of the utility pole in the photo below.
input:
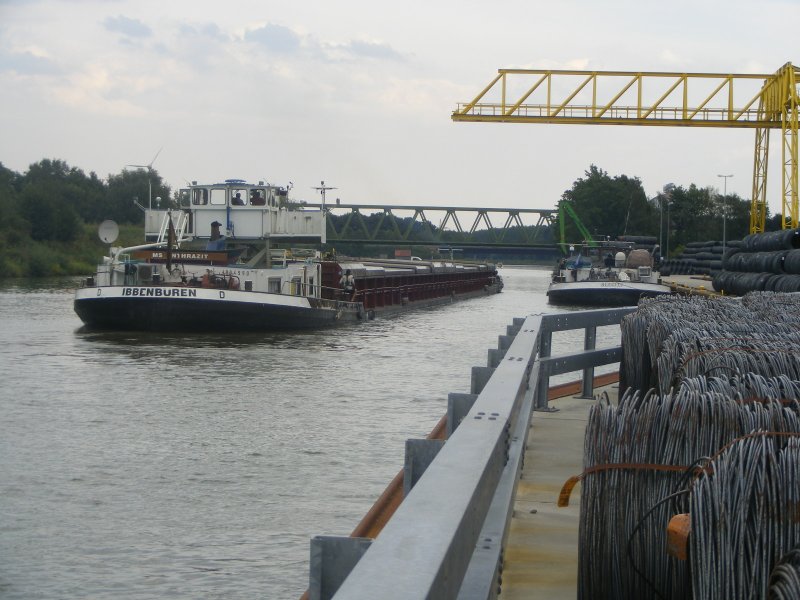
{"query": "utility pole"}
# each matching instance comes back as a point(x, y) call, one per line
point(724, 209)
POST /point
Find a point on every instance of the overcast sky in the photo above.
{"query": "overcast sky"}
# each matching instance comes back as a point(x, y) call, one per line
point(360, 94)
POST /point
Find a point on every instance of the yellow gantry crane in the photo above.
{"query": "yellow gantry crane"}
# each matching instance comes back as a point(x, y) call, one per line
point(665, 99)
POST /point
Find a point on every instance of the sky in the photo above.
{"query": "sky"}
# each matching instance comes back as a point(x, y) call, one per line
point(359, 94)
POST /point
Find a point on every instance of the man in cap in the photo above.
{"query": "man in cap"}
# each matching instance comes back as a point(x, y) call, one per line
point(217, 241)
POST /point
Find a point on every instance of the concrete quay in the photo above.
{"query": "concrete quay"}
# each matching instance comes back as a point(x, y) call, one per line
point(541, 557)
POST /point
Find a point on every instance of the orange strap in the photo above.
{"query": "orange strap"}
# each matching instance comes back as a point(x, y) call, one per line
point(569, 485)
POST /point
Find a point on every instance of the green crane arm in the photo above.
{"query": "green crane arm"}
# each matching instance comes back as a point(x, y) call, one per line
point(565, 207)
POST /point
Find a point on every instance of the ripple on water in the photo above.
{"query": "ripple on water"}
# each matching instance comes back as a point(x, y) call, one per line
point(142, 465)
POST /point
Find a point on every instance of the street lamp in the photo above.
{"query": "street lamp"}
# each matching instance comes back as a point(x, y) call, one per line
point(724, 208)
point(666, 194)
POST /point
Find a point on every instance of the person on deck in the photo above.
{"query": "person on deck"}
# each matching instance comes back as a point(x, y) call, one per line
point(237, 200)
point(217, 240)
point(256, 199)
point(348, 283)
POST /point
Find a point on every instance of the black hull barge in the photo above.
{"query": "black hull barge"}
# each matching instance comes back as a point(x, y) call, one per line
point(226, 305)
point(603, 293)
point(606, 274)
point(194, 278)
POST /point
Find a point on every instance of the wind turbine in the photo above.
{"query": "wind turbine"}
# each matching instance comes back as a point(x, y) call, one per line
point(149, 179)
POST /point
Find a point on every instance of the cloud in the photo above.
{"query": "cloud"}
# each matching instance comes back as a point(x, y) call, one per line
point(128, 27)
point(275, 38)
point(374, 50)
point(27, 63)
point(206, 31)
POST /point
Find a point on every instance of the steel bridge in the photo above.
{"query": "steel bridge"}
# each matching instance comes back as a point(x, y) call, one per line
point(442, 225)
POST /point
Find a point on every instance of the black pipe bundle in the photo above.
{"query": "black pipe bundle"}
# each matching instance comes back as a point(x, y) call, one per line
point(785, 239)
point(762, 261)
point(698, 258)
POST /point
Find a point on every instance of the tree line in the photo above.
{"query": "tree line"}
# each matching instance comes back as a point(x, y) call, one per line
point(676, 215)
point(49, 215)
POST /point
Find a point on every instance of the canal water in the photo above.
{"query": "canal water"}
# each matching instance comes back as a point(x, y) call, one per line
point(200, 466)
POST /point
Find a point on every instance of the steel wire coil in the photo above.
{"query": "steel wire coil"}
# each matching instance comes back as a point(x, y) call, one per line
point(708, 359)
point(784, 581)
point(765, 316)
point(743, 509)
point(651, 430)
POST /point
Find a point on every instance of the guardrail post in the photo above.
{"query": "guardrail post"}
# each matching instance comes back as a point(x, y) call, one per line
point(516, 325)
point(458, 405)
point(419, 454)
point(543, 384)
point(589, 343)
point(479, 379)
point(504, 342)
point(332, 559)
point(495, 357)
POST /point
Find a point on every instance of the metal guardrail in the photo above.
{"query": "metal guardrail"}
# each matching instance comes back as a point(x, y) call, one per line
point(446, 539)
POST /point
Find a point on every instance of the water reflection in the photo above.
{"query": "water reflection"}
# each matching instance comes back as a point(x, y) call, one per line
point(39, 285)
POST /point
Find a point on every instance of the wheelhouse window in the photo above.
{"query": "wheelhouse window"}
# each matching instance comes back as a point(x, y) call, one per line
point(274, 285)
point(199, 197)
point(238, 197)
point(218, 197)
point(258, 197)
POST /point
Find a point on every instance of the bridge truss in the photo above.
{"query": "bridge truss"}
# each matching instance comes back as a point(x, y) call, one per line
point(658, 99)
point(415, 225)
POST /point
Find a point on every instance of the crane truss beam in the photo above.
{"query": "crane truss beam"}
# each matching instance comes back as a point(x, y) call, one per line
point(619, 98)
point(752, 101)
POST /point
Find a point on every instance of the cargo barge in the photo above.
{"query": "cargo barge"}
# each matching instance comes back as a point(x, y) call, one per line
point(605, 274)
point(193, 277)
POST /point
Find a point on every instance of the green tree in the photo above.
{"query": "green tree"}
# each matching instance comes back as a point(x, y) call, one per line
point(70, 185)
point(48, 215)
point(736, 213)
point(609, 206)
point(689, 214)
point(13, 227)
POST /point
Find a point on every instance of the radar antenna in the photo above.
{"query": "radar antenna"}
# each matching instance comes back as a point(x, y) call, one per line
point(322, 189)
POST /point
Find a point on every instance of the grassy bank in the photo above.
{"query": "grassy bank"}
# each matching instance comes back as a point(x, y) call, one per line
point(20, 256)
